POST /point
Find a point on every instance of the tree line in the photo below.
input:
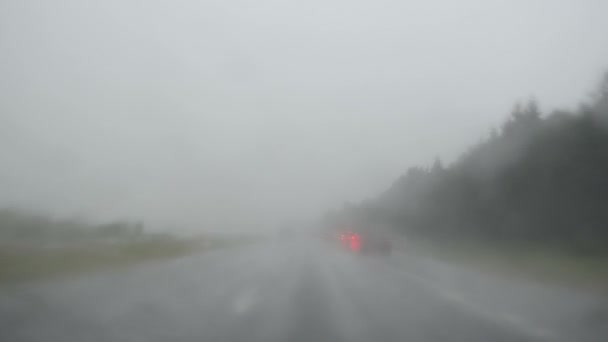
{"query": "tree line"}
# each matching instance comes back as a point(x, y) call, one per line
point(539, 178)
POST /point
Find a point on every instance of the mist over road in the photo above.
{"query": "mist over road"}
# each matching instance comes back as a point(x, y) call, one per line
point(297, 291)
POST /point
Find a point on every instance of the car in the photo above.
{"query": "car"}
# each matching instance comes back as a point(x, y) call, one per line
point(365, 243)
point(352, 241)
point(375, 245)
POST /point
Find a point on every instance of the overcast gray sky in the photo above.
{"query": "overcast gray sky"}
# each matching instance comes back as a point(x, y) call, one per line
point(234, 114)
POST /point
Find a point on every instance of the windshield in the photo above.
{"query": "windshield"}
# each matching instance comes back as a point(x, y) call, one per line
point(233, 170)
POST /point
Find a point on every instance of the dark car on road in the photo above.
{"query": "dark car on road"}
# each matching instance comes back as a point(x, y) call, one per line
point(374, 244)
point(366, 243)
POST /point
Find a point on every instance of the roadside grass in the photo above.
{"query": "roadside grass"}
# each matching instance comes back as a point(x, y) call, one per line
point(538, 263)
point(25, 264)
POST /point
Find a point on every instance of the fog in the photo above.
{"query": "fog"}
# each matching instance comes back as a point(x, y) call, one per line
point(236, 115)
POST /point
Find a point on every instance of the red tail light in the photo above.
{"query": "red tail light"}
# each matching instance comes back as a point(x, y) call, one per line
point(355, 242)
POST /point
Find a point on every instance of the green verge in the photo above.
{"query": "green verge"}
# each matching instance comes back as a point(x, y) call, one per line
point(545, 264)
point(26, 264)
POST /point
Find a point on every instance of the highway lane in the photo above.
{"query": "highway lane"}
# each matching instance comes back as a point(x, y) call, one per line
point(297, 291)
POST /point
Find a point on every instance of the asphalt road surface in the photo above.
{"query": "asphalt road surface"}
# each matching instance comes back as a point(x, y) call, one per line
point(298, 291)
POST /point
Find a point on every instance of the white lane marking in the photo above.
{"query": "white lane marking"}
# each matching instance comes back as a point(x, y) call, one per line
point(519, 322)
point(515, 321)
point(245, 301)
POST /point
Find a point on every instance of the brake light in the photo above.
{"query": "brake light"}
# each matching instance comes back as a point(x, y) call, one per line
point(355, 242)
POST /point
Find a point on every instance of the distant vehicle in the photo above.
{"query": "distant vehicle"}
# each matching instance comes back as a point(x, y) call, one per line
point(367, 243)
point(377, 245)
point(351, 241)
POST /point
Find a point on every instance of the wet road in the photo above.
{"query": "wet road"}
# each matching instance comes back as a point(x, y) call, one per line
point(304, 291)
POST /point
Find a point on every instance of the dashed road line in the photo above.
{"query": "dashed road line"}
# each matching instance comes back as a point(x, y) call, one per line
point(517, 322)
